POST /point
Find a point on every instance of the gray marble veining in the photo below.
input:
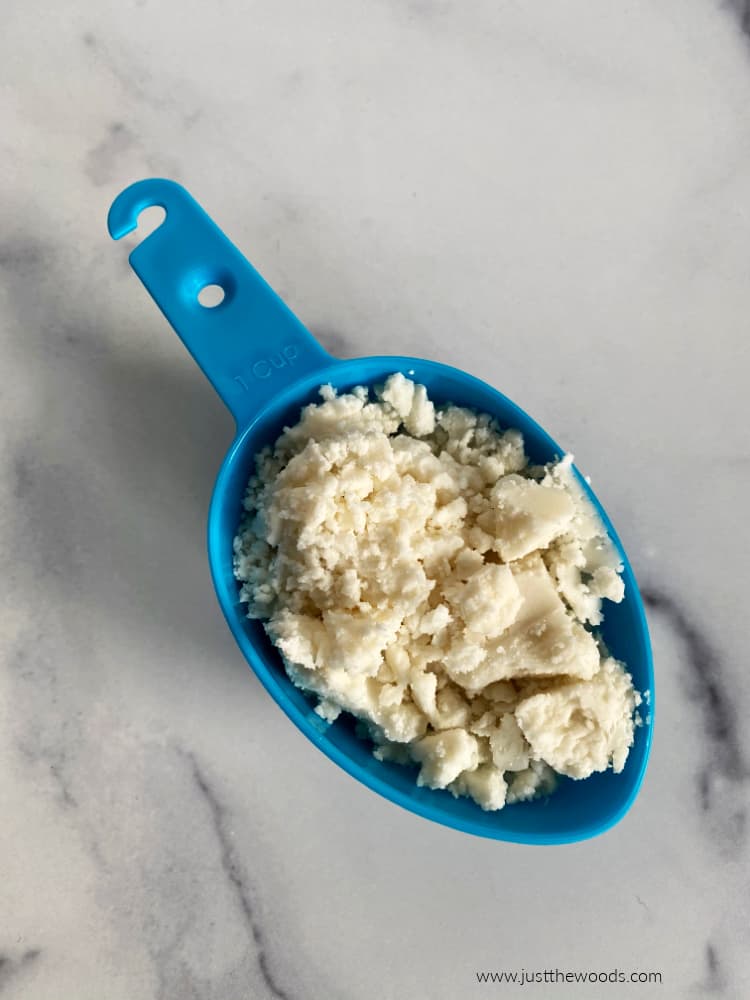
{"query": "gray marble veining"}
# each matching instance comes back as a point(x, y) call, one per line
point(709, 685)
point(551, 196)
point(232, 867)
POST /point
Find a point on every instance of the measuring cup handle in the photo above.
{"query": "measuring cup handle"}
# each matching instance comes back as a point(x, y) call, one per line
point(250, 345)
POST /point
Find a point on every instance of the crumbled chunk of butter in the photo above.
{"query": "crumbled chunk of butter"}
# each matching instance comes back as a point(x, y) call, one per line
point(525, 516)
point(416, 572)
point(510, 751)
point(543, 640)
point(537, 779)
point(444, 756)
point(582, 727)
point(421, 417)
point(490, 600)
point(486, 785)
point(399, 392)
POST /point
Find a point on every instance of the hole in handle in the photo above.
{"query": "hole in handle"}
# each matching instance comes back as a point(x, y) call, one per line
point(211, 296)
point(150, 219)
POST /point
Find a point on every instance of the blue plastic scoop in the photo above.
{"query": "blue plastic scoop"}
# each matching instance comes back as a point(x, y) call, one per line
point(265, 366)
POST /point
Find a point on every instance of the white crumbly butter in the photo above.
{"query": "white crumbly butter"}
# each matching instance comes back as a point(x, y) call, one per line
point(414, 570)
point(581, 727)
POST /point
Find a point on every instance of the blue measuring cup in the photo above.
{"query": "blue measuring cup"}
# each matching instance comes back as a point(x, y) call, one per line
point(265, 365)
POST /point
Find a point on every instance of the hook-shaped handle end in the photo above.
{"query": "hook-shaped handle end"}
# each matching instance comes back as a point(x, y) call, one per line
point(250, 344)
point(128, 205)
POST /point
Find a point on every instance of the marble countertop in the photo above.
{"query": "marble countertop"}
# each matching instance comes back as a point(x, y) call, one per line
point(552, 196)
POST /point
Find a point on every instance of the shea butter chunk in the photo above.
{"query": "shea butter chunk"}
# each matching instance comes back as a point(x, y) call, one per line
point(489, 600)
point(486, 785)
point(525, 516)
point(444, 756)
point(582, 727)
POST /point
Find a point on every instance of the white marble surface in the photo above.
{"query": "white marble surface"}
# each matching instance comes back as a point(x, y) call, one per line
point(554, 196)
